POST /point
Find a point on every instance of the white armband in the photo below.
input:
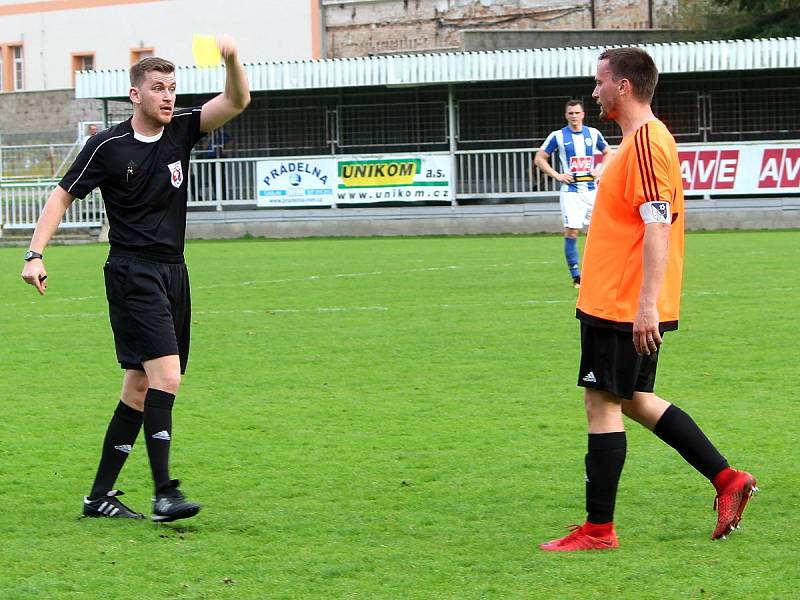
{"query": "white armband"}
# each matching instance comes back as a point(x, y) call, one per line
point(654, 212)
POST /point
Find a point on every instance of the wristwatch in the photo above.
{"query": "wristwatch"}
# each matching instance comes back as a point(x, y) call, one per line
point(30, 255)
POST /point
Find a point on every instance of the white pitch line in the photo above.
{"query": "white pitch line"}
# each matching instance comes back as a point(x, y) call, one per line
point(316, 309)
point(54, 300)
point(711, 293)
point(270, 311)
point(79, 315)
point(76, 298)
point(333, 275)
point(316, 278)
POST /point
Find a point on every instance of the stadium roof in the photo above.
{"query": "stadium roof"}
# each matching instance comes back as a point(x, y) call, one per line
point(460, 67)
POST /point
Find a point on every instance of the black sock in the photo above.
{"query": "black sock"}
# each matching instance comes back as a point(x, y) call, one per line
point(678, 430)
point(120, 436)
point(158, 433)
point(604, 462)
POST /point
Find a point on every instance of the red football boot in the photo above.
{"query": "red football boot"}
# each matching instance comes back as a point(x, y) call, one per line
point(734, 489)
point(585, 537)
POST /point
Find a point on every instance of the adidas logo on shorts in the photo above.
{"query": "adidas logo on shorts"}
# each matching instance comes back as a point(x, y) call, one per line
point(588, 378)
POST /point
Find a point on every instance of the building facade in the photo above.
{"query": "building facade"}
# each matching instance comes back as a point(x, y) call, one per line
point(369, 27)
point(43, 43)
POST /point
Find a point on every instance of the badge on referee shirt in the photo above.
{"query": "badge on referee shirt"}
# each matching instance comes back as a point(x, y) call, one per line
point(175, 174)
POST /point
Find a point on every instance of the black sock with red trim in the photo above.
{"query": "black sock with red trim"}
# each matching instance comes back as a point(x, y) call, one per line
point(604, 462)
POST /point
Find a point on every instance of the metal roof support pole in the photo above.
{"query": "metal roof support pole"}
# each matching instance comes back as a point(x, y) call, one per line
point(451, 135)
point(218, 168)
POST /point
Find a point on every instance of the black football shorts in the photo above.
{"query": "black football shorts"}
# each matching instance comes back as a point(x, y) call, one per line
point(150, 309)
point(609, 362)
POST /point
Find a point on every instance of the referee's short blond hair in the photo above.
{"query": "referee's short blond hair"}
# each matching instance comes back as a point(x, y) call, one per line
point(150, 63)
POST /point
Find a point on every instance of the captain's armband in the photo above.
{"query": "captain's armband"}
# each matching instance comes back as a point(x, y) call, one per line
point(654, 212)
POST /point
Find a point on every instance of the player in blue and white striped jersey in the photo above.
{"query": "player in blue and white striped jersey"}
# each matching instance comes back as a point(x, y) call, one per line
point(576, 145)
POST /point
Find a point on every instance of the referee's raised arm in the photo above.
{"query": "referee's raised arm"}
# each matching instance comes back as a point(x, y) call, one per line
point(236, 96)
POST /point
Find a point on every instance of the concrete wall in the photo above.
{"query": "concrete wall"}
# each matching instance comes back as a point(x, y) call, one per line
point(44, 117)
point(772, 213)
point(477, 40)
point(264, 30)
point(48, 117)
point(701, 215)
point(391, 26)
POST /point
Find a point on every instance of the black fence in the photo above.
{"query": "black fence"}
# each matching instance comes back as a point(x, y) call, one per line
point(709, 107)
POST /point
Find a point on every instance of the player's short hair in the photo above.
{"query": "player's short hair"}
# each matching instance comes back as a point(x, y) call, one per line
point(140, 69)
point(573, 103)
point(635, 65)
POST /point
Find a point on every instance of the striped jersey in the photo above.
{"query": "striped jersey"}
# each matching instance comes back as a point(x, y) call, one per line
point(645, 168)
point(576, 151)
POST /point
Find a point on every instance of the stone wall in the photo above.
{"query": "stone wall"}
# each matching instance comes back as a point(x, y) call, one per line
point(391, 26)
point(50, 117)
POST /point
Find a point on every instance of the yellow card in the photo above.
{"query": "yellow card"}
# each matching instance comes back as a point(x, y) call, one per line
point(205, 51)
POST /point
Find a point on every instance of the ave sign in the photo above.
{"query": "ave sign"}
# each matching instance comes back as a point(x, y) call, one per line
point(741, 169)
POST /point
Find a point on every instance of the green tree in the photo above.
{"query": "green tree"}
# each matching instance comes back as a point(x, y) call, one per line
point(736, 19)
point(764, 18)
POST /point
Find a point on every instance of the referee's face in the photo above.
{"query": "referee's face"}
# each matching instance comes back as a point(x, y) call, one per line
point(156, 97)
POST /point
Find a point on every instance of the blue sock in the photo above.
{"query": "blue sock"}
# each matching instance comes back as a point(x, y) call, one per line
point(571, 252)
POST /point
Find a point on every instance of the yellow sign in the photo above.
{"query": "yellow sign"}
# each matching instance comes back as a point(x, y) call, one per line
point(205, 51)
point(378, 173)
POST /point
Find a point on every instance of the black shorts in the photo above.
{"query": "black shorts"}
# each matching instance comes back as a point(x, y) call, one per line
point(150, 309)
point(609, 362)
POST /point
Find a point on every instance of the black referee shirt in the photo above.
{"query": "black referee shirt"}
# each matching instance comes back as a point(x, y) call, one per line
point(143, 182)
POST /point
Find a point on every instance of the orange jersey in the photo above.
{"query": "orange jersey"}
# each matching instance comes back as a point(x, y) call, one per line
point(644, 169)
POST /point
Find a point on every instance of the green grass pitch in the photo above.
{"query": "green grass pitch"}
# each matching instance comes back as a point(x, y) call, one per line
point(397, 418)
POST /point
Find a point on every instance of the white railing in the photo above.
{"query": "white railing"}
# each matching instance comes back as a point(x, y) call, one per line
point(493, 176)
point(216, 184)
point(498, 174)
point(222, 182)
point(22, 202)
point(39, 161)
point(480, 174)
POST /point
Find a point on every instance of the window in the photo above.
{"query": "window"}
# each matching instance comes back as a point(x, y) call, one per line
point(19, 69)
point(138, 54)
point(12, 67)
point(82, 61)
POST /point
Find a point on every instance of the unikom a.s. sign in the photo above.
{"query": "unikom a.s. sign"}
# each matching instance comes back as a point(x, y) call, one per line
point(735, 169)
point(353, 180)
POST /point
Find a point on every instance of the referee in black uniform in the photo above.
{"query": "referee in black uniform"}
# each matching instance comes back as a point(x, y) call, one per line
point(141, 167)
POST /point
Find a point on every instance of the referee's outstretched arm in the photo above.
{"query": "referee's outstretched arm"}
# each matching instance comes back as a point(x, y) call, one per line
point(236, 96)
point(57, 204)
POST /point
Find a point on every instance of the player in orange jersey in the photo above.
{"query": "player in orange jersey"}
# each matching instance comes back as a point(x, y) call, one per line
point(629, 296)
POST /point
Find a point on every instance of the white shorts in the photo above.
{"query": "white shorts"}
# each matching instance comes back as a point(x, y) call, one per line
point(576, 208)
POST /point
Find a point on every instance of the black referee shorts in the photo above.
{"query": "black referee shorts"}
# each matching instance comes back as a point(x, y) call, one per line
point(150, 309)
point(609, 362)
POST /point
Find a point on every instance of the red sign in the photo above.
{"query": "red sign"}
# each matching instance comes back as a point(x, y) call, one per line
point(709, 169)
point(581, 164)
point(780, 167)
